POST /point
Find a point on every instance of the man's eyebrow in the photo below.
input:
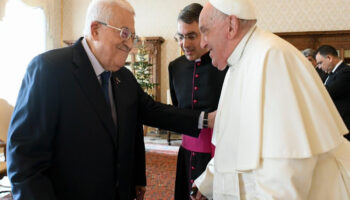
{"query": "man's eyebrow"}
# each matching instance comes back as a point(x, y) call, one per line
point(202, 29)
point(191, 33)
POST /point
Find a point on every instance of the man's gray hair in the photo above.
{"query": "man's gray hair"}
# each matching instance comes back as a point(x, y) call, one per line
point(309, 52)
point(102, 10)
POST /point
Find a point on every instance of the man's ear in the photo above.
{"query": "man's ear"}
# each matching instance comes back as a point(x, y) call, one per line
point(234, 25)
point(330, 58)
point(95, 30)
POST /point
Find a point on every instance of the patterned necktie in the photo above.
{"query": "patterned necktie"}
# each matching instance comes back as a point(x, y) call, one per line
point(105, 76)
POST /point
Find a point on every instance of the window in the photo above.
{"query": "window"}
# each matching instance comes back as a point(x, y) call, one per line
point(22, 36)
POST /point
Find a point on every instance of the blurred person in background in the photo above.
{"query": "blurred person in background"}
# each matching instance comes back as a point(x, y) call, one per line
point(310, 54)
point(338, 80)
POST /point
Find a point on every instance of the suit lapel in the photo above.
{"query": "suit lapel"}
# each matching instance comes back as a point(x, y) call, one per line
point(330, 78)
point(89, 84)
point(116, 90)
point(341, 66)
point(333, 75)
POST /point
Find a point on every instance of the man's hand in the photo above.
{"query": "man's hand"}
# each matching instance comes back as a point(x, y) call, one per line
point(211, 119)
point(140, 192)
point(196, 194)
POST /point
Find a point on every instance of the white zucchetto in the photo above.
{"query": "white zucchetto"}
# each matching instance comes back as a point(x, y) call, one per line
point(242, 9)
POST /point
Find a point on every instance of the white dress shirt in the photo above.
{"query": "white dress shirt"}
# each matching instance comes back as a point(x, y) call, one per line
point(98, 71)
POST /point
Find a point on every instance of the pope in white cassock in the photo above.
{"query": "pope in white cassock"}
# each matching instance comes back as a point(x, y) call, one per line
point(277, 132)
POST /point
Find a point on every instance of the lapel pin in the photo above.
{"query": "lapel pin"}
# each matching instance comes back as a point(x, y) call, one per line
point(117, 81)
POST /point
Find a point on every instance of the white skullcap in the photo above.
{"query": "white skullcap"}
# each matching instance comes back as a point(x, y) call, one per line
point(242, 9)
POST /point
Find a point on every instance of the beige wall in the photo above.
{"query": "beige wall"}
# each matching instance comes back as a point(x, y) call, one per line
point(73, 18)
point(158, 18)
point(303, 15)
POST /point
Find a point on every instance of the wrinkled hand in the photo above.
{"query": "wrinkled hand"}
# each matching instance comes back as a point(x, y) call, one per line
point(140, 192)
point(198, 195)
point(211, 119)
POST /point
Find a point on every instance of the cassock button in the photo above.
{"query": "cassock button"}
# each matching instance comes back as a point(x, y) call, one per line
point(198, 63)
point(197, 75)
point(195, 88)
point(193, 153)
point(192, 181)
point(195, 101)
point(193, 168)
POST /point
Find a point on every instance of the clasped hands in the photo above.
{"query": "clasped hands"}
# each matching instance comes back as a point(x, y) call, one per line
point(140, 192)
point(196, 194)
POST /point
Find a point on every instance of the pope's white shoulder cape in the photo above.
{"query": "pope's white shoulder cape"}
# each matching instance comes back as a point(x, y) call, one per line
point(273, 105)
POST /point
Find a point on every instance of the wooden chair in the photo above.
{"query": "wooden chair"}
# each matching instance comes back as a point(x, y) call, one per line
point(5, 117)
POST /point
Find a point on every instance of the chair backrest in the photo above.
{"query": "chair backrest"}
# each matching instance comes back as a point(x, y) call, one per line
point(6, 111)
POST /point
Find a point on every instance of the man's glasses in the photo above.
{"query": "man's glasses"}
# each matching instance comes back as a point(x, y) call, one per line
point(179, 37)
point(125, 33)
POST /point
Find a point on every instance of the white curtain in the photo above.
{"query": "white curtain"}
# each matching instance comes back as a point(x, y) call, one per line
point(27, 28)
point(2, 8)
point(52, 10)
point(23, 31)
point(53, 15)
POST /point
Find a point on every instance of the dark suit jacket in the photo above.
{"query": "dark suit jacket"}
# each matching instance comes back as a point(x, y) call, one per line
point(322, 74)
point(62, 141)
point(201, 83)
point(338, 86)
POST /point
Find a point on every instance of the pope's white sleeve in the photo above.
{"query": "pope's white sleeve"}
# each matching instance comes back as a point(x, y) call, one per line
point(205, 181)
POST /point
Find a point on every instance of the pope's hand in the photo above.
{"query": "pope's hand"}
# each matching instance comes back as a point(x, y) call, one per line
point(196, 194)
point(211, 119)
point(140, 192)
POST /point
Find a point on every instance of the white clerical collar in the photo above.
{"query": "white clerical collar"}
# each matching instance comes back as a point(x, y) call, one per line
point(336, 66)
point(238, 51)
point(94, 62)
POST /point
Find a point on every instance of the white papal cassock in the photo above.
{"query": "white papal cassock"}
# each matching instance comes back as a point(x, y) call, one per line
point(277, 132)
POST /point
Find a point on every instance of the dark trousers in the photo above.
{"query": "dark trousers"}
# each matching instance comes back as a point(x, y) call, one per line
point(190, 165)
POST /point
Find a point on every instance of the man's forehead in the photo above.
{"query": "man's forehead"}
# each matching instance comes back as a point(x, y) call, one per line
point(185, 28)
point(126, 21)
point(319, 58)
point(202, 22)
point(318, 55)
point(203, 25)
point(204, 16)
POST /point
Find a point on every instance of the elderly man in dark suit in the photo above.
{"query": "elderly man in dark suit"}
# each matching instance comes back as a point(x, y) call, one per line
point(76, 132)
point(338, 80)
